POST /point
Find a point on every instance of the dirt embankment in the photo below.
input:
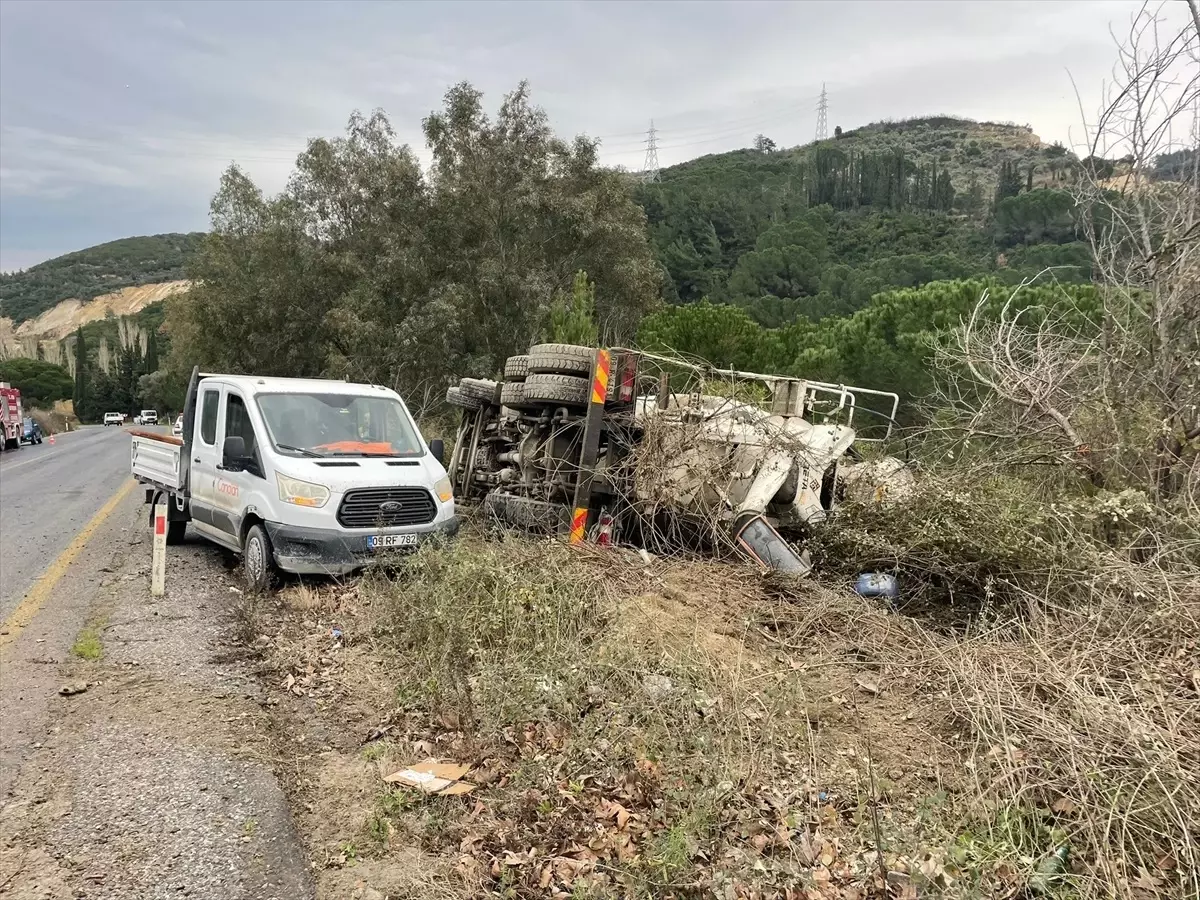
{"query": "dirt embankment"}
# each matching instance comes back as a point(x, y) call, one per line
point(59, 321)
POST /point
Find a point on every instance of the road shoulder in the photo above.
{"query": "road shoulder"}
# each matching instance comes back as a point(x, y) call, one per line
point(157, 780)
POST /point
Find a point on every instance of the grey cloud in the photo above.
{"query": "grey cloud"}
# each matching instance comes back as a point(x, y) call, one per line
point(114, 111)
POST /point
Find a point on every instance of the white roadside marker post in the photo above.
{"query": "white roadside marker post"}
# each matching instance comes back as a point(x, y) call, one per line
point(158, 564)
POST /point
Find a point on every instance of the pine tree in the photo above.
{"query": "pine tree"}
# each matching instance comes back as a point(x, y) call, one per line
point(1029, 179)
point(573, 317)
point(81, 385)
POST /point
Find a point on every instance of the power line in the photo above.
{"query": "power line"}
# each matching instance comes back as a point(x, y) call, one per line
point(650, 166)
point(717, 129)
point(823, 115)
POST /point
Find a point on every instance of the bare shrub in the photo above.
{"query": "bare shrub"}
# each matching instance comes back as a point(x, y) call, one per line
point(1093, 718)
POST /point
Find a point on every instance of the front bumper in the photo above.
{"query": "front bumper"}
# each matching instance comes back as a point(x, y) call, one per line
point(329, 551)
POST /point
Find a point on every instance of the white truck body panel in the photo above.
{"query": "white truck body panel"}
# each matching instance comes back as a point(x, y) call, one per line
point(156, 462)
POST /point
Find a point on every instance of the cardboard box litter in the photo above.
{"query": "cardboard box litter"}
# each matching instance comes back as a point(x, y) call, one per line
point(433, 777)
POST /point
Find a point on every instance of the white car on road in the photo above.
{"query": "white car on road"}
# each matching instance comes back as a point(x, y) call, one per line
point(177, 428)
point(113, 418)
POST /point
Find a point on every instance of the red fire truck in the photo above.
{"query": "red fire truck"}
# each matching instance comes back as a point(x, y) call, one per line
point(11, 416)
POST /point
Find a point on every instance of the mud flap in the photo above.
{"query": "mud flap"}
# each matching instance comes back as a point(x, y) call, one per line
point(762, 543)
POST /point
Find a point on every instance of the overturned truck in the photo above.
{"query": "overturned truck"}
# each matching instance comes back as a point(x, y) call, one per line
point(619, 444)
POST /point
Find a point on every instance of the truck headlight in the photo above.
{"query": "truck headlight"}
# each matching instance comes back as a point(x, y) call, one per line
point(444, 489)
point(301, 493)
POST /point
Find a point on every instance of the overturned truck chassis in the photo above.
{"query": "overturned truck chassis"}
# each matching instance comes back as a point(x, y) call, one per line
point(619, 443)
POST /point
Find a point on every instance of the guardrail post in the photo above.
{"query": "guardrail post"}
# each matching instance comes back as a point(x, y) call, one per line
point(158, 564)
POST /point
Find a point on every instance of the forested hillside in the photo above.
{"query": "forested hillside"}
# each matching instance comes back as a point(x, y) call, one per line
point(819, 230)
point(97, 270)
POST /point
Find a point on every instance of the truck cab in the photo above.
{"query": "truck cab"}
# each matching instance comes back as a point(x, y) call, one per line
point(309, 476)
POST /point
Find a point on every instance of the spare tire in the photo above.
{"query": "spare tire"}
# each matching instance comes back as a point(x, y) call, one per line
point(561, 359)
point(512, 395)
point(480, 388)
point(455, 397)
point(516, 368)
point(568, 390)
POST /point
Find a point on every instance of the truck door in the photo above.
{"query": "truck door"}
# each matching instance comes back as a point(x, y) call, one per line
point(239, 491)
point(206, 456)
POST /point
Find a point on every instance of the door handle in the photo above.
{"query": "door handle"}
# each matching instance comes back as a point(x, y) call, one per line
point(197, 459)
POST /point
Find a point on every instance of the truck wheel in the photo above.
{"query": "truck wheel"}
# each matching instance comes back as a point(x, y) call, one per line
point(455, 397)
point(523, 512)
point(512, 395)
point(176, 532)
point(561, 359)
point(483, 389)
point(568, 390)
point(257, 560)
point(516, 368)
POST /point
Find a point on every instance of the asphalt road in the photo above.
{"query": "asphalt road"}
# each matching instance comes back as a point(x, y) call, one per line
point(47, 494)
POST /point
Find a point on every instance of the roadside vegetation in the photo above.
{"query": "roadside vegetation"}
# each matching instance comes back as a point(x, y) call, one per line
point(87, 644)
point(691, 728)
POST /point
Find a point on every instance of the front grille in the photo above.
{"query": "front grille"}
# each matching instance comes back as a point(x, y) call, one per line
point(361, 508)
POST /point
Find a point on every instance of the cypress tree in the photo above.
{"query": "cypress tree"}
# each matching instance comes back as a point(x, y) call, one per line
point(152, 353)
point(81, 386)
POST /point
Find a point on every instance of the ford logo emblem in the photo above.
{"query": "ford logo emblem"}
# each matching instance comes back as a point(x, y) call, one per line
point(391, 507)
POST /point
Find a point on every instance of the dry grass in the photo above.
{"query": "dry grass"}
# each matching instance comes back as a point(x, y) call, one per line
point(690, 728)
point(1092, 717)
point(1073, 660)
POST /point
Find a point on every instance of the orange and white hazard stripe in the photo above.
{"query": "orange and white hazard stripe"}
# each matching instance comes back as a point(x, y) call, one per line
point(579, 525)
point(600, 379)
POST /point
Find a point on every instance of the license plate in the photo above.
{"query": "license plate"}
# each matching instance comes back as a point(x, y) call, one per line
point(386, 541)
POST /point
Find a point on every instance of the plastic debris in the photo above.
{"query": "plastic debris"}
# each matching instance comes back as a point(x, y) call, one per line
point(877, 584)
point(1048, 872)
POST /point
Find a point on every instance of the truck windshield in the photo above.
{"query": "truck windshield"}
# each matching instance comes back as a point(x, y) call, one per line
point(338, 425)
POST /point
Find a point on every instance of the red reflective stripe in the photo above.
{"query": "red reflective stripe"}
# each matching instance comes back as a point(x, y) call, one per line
point(160, 524)
point(578, 525)
point(600, 382)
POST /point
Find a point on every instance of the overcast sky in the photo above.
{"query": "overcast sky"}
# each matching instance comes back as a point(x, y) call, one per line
point(116, 119)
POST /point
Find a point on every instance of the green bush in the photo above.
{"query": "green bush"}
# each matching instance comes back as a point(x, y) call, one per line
point(41, 383)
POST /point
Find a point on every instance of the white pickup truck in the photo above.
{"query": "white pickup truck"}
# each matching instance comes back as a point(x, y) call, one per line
point(308, 476)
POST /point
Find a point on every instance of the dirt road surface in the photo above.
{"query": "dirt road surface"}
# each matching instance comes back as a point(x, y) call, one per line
point(158, 779)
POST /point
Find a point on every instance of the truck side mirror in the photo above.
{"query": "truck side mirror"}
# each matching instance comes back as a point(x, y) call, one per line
point(233, 453)
point(438, 448)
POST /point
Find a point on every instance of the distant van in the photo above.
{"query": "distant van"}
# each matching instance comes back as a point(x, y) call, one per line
point(149, 417)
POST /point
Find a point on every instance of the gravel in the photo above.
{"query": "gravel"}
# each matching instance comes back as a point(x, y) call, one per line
point(156, 782)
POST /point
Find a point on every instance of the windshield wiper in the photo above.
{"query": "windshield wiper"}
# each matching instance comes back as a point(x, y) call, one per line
point(300, 450)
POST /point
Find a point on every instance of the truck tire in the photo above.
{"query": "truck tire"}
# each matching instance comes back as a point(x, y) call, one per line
point(560, 359)
point(480, 388)
point(568, 390)
point(522, 512)
point(176, 531)
point(512, 395)
point(456, 397)
point(257, 560)
point(516, 368)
